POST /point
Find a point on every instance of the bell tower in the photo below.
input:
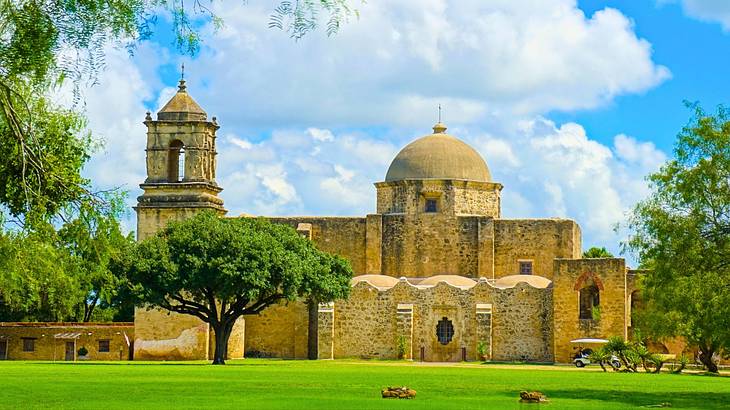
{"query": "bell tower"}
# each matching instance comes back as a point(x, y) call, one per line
point(181, 163)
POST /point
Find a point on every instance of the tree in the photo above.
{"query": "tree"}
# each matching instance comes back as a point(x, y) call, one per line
point(329, 281)
point(682, 232)
point(219, 269)
point(45, 42)
point(596, 252)
point(90, 242)
point(34, 280)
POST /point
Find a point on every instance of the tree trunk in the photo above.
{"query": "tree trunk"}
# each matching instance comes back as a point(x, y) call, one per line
point(706, 359)
point(312, 332)
point(222, 334)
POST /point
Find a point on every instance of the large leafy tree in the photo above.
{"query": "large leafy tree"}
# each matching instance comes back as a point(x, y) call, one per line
point(57, 275)
point(682, 233)
point(220, 269)
point(34, 281)
point(91, 242)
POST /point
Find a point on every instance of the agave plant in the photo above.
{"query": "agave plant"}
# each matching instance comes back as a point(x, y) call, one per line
point(600, 356)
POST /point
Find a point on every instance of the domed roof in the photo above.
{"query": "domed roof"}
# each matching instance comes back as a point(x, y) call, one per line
point(438, 156)
point(181, 107)
point(379, 281)
point(533, 280)
point(453, 280)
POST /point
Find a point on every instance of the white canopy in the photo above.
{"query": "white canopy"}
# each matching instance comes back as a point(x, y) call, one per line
point(589, 340)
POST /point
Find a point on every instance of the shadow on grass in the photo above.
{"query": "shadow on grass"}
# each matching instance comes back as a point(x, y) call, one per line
point(700, 399)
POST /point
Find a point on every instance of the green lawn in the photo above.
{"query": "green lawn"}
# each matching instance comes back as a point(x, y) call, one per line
point(259, 384)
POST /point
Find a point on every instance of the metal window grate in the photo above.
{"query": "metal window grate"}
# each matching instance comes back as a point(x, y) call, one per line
point(444, 331)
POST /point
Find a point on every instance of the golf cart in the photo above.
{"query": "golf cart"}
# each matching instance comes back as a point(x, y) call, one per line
point(581, 356)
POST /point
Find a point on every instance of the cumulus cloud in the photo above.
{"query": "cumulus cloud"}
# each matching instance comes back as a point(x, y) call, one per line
point(557, 170)
point(716, 11)
point(398, 60)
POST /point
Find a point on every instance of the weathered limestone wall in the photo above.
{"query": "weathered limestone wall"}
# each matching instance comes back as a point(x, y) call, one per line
point(279, 331)
point(538, 240)
point(477, 199)
point(368, 324)
point(453, 197)
point(162, 335)
point(339, 235)
point(431, 244)
point(609, 275)
point(47, 347)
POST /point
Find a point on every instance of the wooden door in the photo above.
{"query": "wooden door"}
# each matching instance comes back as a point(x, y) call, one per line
point(70, 353)
point(3, 349)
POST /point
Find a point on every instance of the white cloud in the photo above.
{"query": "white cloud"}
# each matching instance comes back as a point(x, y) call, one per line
point(717, 11)
point(394, 64)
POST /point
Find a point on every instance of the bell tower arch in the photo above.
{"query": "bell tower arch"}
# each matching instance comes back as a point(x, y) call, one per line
point(181, 163)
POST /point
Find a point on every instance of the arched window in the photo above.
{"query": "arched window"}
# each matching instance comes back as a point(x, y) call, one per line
point(444, 331)
point(590, 300)
point(176, 162)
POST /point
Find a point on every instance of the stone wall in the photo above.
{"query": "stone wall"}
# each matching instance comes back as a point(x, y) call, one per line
point(453, 197)
point(49, 340)
point(163, 335)
point(280, 330)
point(609, 275)
point(538, 240)
point(370, 322)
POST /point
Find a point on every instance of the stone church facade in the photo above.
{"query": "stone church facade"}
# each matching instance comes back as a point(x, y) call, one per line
point(438, 271)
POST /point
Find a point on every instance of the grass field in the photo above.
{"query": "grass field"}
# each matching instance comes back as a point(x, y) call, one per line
point(264, 384)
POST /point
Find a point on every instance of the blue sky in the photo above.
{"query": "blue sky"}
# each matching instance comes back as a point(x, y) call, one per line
point(697, 51)
point(570, 103)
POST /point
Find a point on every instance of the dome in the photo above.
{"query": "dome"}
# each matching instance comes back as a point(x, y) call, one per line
point(453, 280)
point(533, 280)
point(379, 281)
point(181, 107)
point(438, 156)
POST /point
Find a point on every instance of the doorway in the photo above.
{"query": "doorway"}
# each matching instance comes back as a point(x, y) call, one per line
point(3, 349)
point(70, 351)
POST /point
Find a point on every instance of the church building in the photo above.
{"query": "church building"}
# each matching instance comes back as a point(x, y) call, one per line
point(440, 275)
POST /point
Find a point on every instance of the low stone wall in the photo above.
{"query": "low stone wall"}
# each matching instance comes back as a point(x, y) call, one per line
point(47, 340)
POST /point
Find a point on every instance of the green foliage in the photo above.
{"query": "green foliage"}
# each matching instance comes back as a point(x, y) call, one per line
point(401, 345)
point(602, 356)
point(683, 361)
point(92, 241)
point(483, 348)
point(83, 351)
point(596, 313)
point(302, 16)
point(596, 252)
point(219, 269)
point(682, 231)
point(49, 275)
point(34, 282)
point(43, 149)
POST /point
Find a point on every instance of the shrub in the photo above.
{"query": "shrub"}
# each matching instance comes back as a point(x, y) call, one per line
point(401, 346)
point(83, 351)
point(483, 349)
